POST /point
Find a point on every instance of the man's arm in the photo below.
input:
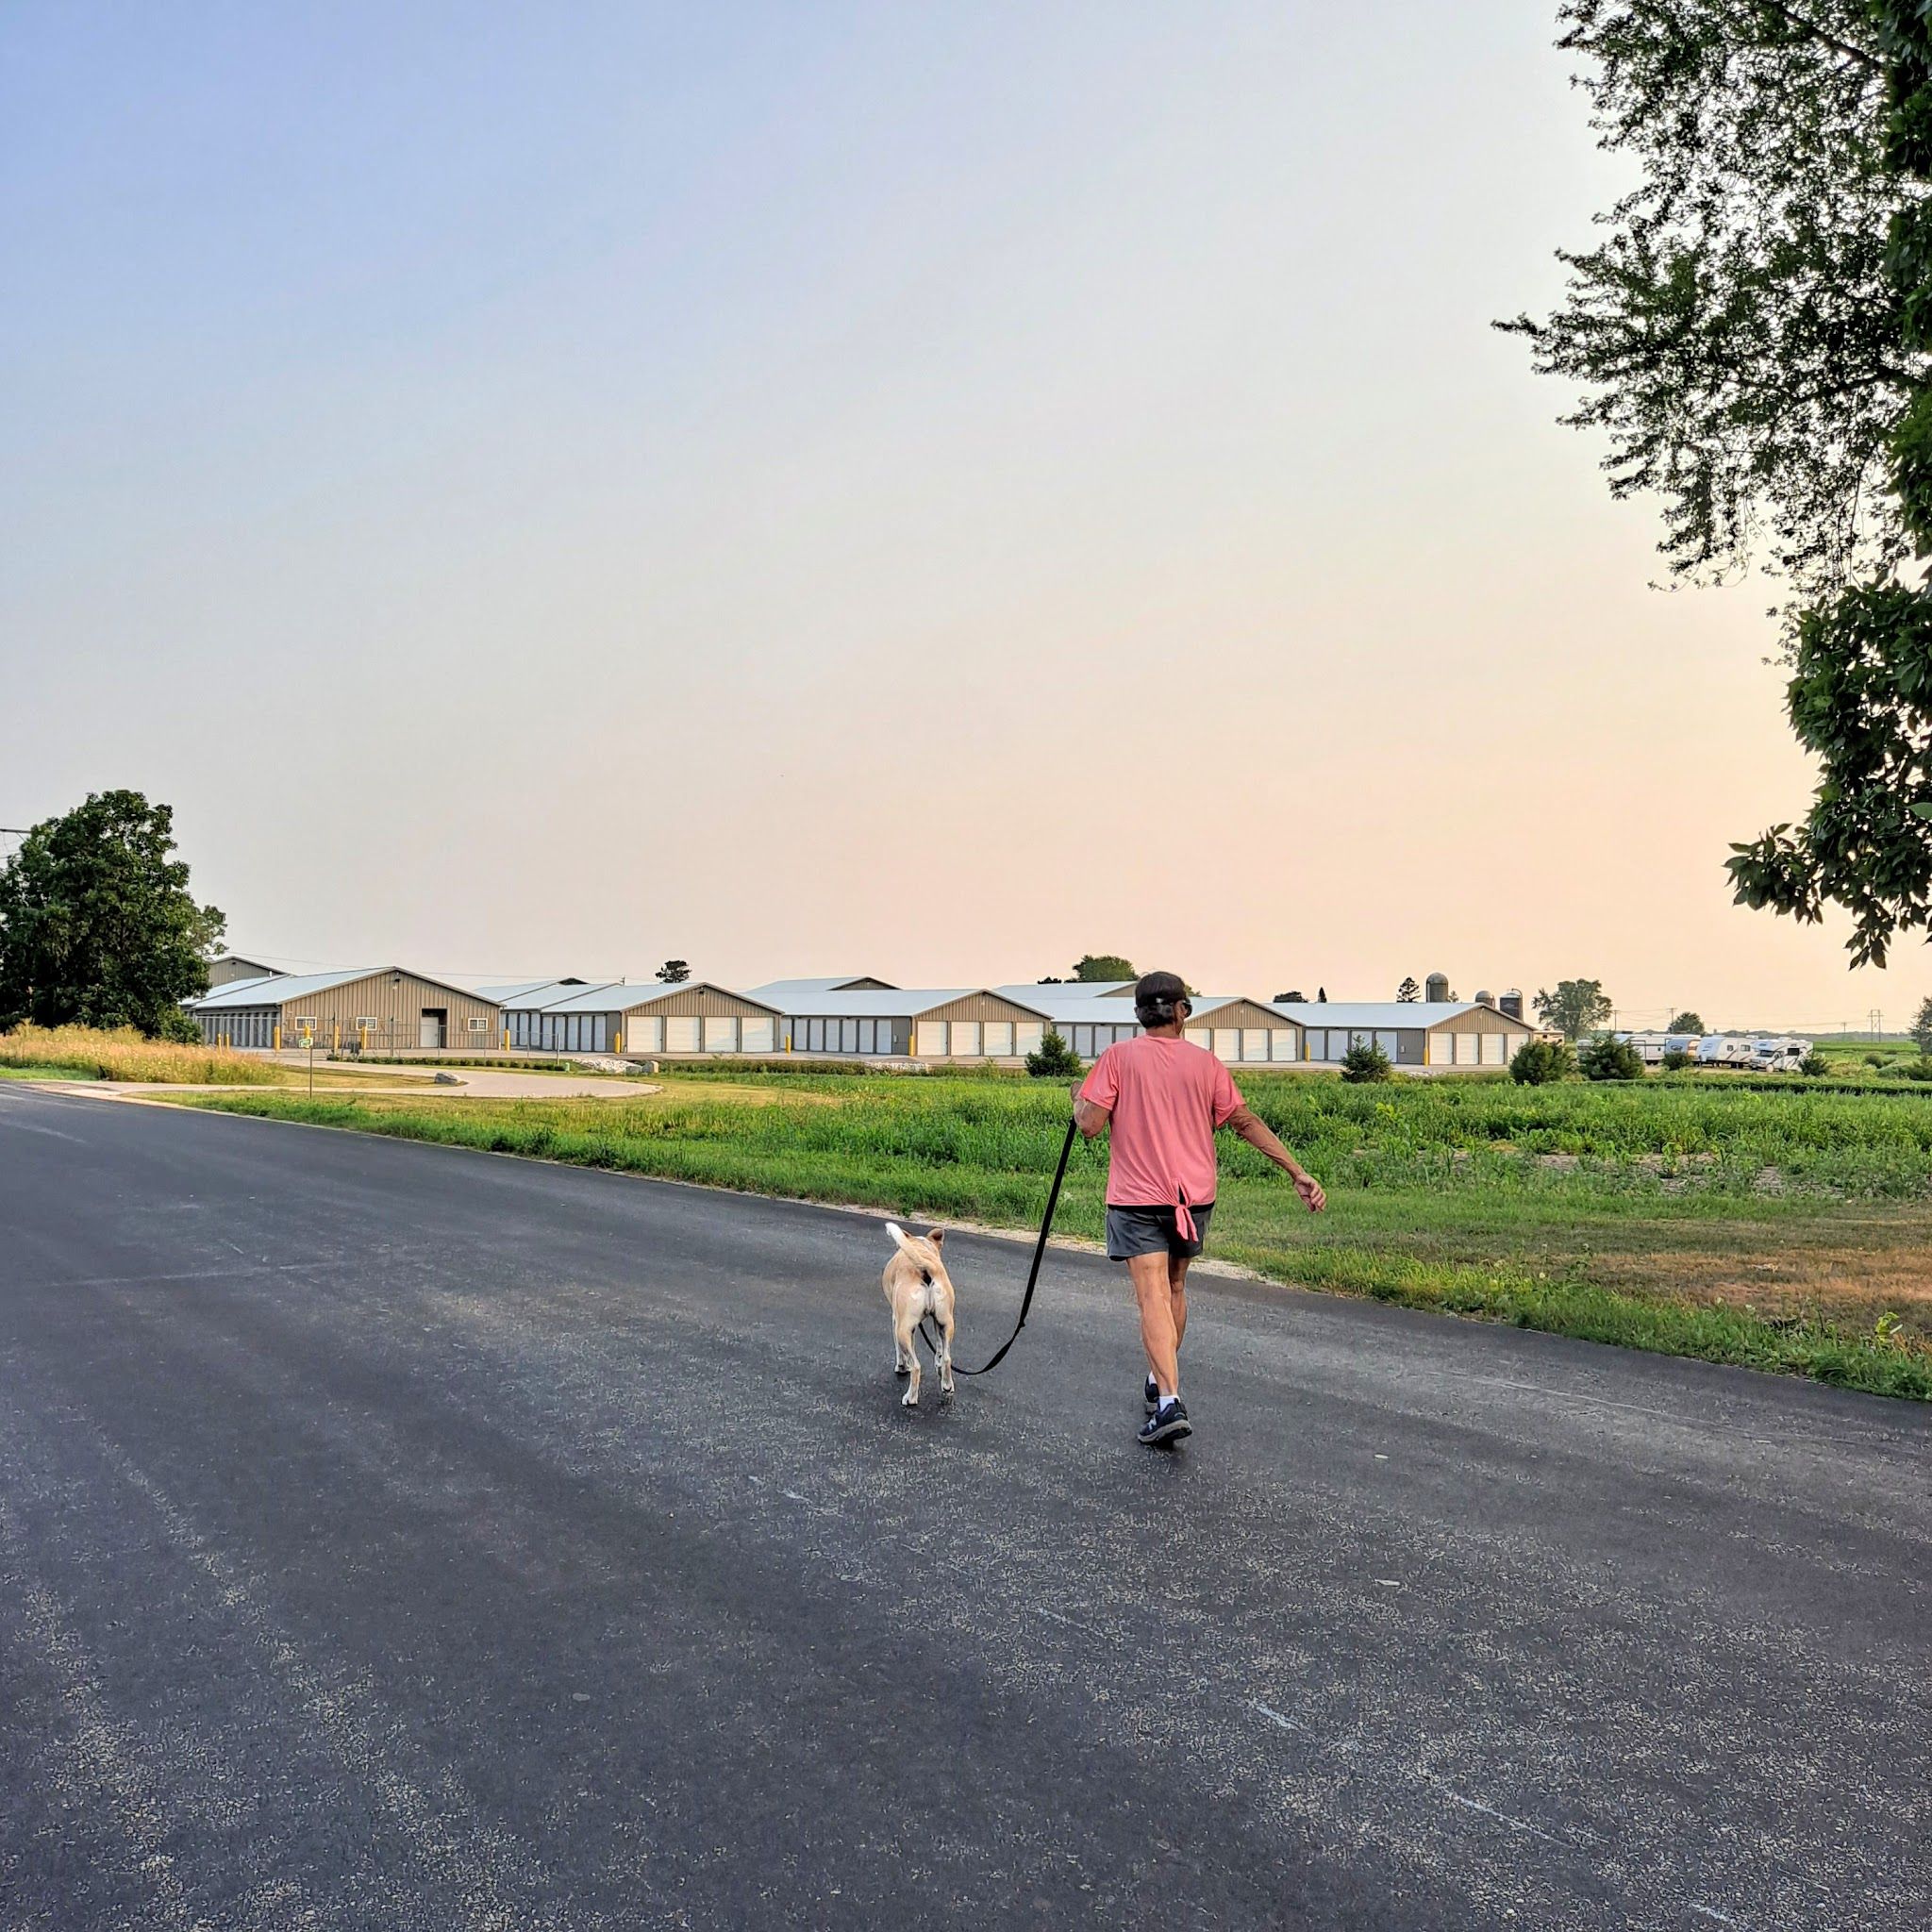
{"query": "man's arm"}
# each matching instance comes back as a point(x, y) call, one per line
point(1259, 1135)
point(1088, 1117)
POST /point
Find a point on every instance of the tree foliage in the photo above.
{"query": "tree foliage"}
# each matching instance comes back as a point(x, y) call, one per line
point(97, 926)
point(1536, 1062)
point(1365, 1062)
point(674, 972)
point(1104, 966)
point(1687, 1022)
point(1054, 1059)
point(1408, 991)
point(1578, 1006)
point(1922, 1026)
point(1607, 1057)
point(1751, 337)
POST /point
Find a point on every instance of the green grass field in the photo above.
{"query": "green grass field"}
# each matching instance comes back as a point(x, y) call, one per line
point(1717, 1218)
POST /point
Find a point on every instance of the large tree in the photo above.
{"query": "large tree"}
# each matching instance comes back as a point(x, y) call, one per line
point(1750, 338)
point(97, 926)
point(1104, 966)
point(1578, 1006)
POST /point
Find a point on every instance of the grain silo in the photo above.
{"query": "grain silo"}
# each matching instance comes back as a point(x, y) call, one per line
point(1435, 988)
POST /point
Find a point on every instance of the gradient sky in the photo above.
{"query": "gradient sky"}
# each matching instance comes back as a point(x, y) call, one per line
point(925, 490)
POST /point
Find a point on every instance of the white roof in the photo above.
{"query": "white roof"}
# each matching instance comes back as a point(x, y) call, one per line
point(893, 1002)
point(1385, 1015)
point(623, 995)
point(288, 985)
point(517, 989)
point(775, 993)
point(286, 988)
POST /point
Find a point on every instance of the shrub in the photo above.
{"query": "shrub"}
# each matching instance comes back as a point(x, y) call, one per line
point(1607, 1057)
point(1676, 1059)
point(1056, 1060)
point(1540, 1062)
point(1365, 1061)
point(1814, 1064)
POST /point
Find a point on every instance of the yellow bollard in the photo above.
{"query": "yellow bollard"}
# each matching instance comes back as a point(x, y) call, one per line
point(278, 1036)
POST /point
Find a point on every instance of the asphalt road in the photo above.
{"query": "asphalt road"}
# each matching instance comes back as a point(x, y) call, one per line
point(392, 1535)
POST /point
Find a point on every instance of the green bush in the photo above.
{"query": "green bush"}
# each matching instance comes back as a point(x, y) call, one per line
point(1676, 1059)
point(1607, 1057)
point(1540, 1062)
point(1056, 1060)
point(1814, 1064)
point(1365, 1061)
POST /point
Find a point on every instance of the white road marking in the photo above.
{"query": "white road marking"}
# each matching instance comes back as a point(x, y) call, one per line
point(1274, 1717)
point(1501, 1817)
point(1706, 1912)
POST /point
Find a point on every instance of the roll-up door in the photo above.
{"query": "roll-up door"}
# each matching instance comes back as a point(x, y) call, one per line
point(1281, 1042)
point(685, 1035)
point(1227, 1043)
point(754, 1035)
point(721, 1034)
point(815, 1036)
point(848, 1036)
point(1028, 1035)
point(644, 1033)
point(1255, 1042)
point(1201, 1037)
point(999, 1040)
point(932, 1038)
point(1388, 1043)
point(1492, 1049)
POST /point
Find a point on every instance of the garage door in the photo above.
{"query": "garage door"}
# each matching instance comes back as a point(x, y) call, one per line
point(721, 1035)
point(1281, 1043)
point(1253, 1043)
point(1027, 1035)
point(965, 1042)
point(999, 1040)
point(932, 1038)
point(756, 1036)
point(1492, 1049)
point(1227, 1043)
point(644, 1033)
point(1201, 1037)
point(683, 1036)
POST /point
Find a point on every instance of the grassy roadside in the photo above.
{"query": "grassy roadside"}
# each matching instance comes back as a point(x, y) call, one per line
point(1779, 1232)
point(90, 1053)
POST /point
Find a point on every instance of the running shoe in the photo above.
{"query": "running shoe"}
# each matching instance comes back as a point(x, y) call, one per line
point(1168, 1424)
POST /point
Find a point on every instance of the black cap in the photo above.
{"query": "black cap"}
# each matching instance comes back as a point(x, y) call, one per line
point(1154, 995)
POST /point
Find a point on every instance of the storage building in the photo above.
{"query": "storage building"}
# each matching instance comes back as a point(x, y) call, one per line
point(1413, 1033)
point(1090, 1015)
point(644, 1016)
point(375, 1010)
point(925, 1024)
point(231, 969)
point(786, 993)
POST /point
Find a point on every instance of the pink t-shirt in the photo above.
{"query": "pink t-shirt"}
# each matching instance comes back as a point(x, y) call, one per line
point(1166, 1097)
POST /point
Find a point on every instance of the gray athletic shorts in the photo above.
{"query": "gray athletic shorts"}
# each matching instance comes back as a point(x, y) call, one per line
point(1132, 1231)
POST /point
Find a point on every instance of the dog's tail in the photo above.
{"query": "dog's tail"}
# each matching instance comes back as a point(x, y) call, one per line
point(897, 1233)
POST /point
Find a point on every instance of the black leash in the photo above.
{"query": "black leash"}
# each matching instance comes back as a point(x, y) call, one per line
point(1053, 1201)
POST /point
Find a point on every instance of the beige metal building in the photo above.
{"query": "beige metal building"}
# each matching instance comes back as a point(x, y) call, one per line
point(1090, 1015)
point(665, 1022)
point(956, 1023)
point(375, 1010)
point(1414, 1033)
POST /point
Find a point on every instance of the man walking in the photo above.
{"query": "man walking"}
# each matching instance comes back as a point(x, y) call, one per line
point(1164, 1097)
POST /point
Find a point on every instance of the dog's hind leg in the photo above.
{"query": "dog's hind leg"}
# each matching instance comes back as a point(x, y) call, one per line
point(944, 1320)
point(903, 1321)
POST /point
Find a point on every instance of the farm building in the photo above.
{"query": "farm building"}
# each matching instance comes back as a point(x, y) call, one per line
point(377, 1009)
point(231, 969)
point(1091, 1015)
point(927, 1023)
point(1413, 1033)
point(523, 1003)
point(784, 994)
point(648, 1017)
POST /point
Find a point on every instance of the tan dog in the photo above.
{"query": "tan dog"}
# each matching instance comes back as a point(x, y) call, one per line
point(917, 1285)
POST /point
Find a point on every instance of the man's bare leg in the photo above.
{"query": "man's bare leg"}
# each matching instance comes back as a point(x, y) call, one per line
point(1178, 1299)
point(1151, 1290)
